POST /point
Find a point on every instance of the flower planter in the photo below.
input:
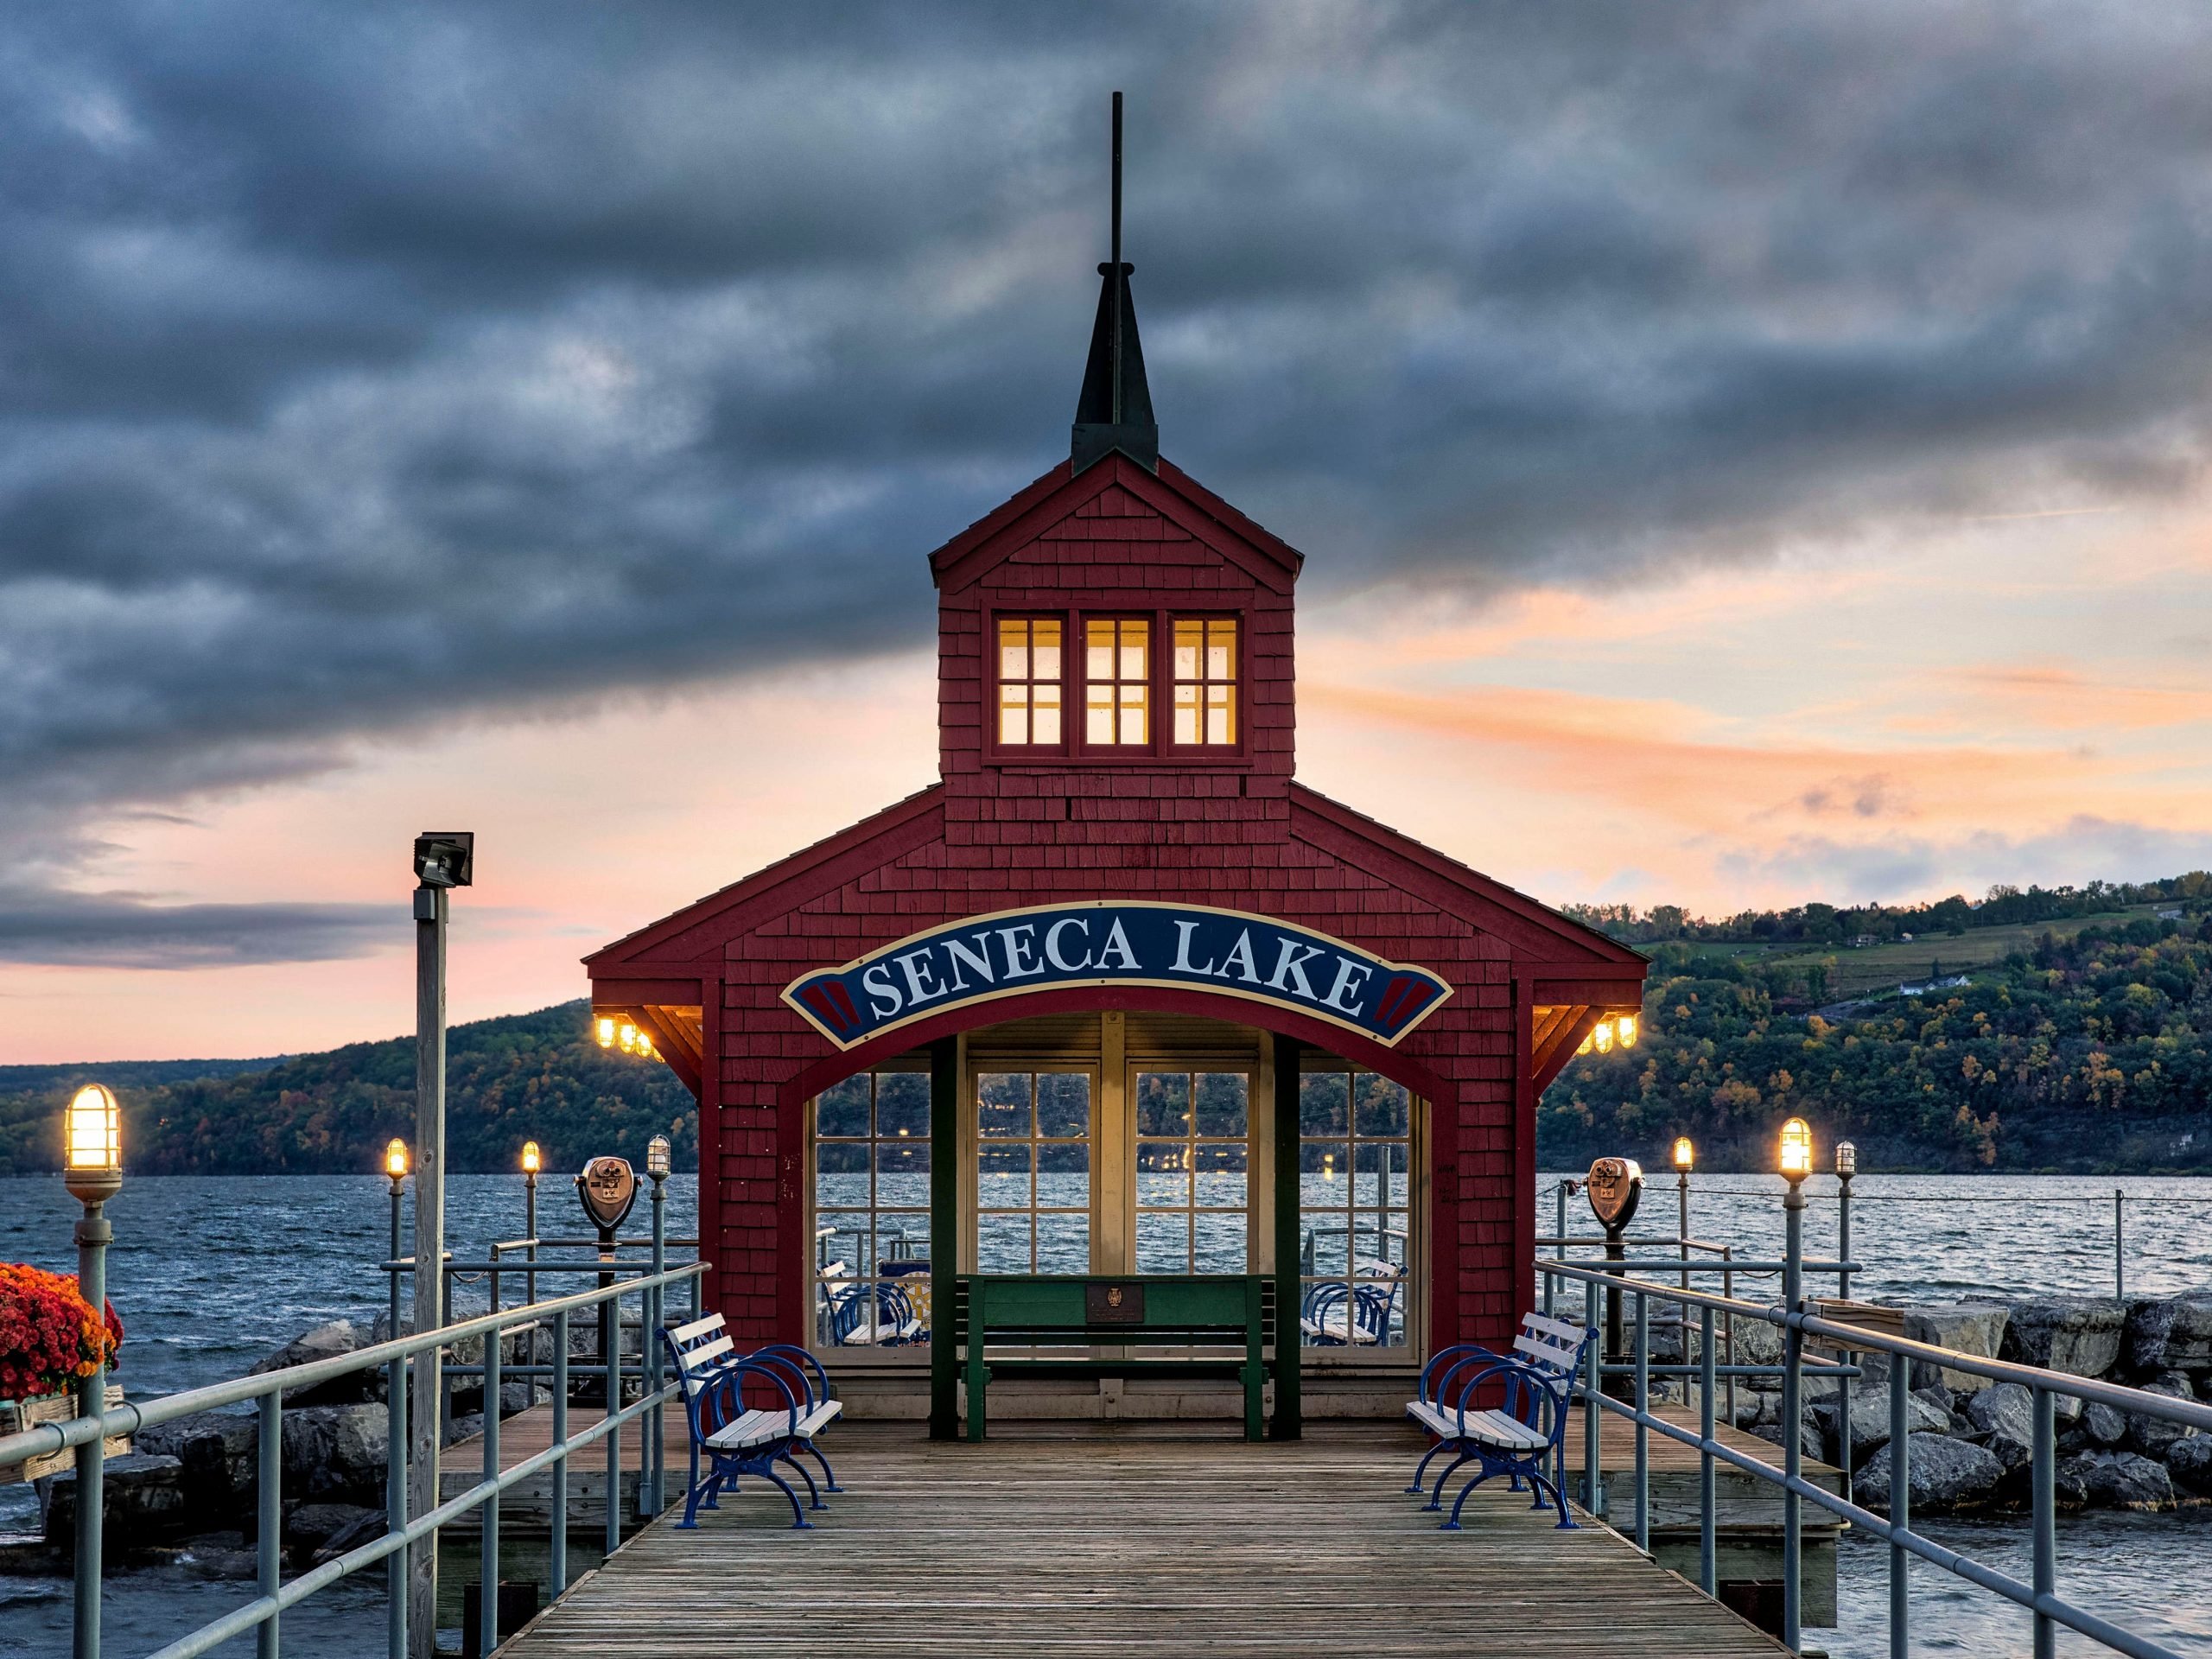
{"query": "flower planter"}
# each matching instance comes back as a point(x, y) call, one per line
point(18, 1415)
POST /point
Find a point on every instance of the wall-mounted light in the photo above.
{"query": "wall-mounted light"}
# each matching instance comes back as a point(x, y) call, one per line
point(1625, 1026)
point(605, 1030)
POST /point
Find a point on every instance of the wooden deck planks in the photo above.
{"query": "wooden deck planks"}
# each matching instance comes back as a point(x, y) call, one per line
point(1067, 1547)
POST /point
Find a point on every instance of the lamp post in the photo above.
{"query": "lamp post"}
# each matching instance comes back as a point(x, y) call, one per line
point(92, 1170)
point(1846, 1166)
point(395, 1408)
point(656, 1167)
point(531, 1163)
point(443, 860)
point(1685, 1162)
point(1795, 1159)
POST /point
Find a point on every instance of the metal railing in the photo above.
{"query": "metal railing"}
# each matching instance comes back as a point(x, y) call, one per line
point(403, 1532)
point(2039, 1597)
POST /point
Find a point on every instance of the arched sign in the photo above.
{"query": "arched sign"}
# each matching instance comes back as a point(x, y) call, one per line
point(1117, 942)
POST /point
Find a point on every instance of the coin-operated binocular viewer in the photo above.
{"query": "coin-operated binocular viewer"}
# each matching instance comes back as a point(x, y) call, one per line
point(1614, 1187)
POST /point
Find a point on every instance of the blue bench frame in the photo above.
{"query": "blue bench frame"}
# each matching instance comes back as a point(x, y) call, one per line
point(1371, 1309)
point(1531, 1393)
point(715, 1397)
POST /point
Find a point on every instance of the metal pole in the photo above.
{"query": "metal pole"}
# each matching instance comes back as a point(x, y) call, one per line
point(1900, 1506)
point(1850, 1355)
point(610, 1354)
point(558, 1563)
point(94, 1232)
point(1642, 1431)
point(430, 915)
point(2118, 1246)
point(268, 1510)
point(1728, 1323)
point(488, 1600)
point(1707, 1564)
point(656, 1450)
point(395, 1471)
point(2044, 1497)
point(1594, 1484)
point(530, 1230)
point(1793, 1255)
point(1682, 1222)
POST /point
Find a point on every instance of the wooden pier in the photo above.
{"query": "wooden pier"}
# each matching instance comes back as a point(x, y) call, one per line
point(1135, 1542)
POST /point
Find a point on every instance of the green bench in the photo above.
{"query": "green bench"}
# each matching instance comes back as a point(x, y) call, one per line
point(1090, 1311)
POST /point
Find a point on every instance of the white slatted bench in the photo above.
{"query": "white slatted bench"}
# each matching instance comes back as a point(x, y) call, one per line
point(1514, 1438)
point(878, 1315)
point(1372, 1299)
point(737, 1440)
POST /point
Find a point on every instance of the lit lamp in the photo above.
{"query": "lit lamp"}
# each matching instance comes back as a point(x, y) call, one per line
point(1624, 1026)
point(1794, 1158)
point(532, 1161)
point(604, 1030)
point(1602, 1038)
point(92, 1170)
point(1685, 1162)
point(395, 1169)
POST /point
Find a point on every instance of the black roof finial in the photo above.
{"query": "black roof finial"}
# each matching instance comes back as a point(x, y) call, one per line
point(1115, 410)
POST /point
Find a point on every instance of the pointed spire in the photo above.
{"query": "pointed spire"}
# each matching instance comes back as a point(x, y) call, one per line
point(1115, 410)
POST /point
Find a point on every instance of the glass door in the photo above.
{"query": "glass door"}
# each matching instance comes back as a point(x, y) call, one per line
point(1034, 1174)
point(1192, 1162)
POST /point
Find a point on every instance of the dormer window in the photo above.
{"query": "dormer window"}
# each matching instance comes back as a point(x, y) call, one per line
point(1205, 682)
point(1117, 683)
point(1029, 682)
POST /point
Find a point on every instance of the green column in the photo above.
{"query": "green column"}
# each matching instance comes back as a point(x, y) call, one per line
point(1289, 1420)
point(944, 1227)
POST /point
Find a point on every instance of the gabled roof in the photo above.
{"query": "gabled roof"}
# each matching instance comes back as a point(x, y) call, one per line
point(1171, 492)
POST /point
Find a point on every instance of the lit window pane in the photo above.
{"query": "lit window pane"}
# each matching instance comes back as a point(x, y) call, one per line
point(1188, 638)
point(1013, 714)
point(1221, 714)
point(1044, 664)
point(1098, 715)
point(1221, 651)
point(1045, 723)
point(1133, 641)
point(1133, 711)
point(1013, 650)
point(1099, 664)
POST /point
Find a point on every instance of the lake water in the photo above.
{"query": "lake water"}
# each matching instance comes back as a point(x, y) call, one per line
point(209, 1274)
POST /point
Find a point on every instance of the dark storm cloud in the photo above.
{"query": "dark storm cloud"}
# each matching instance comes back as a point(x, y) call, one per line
point(124, 930)
point(372, 367)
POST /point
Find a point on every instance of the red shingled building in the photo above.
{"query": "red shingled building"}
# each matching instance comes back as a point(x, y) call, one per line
point(1117, 746)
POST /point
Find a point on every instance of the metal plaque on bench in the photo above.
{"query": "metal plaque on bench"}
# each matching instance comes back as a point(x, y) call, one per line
point(1119, 1302)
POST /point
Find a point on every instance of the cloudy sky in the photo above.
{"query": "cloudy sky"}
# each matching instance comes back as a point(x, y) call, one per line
point(1743, 454)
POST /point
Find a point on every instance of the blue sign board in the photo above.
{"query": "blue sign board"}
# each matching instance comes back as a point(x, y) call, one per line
point(1116, 942)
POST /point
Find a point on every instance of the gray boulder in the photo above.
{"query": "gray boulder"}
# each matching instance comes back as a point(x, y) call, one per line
point(1944, 1474)
point(2189, 1463)
point(335, 1451)
point(310, 1526)
point(1809, 1439)
point(143, 1501)
point(2114, 1480)
point(2004, 1415)
point(1975, 1328)
point(2103, 1424)
point(2175, 1334)
point(332, 1341)
point(2079, 1336)
point(2154, 1437)
point(1869, 1423)
point(217, 1450)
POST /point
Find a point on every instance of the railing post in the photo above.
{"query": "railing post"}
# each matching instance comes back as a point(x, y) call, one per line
point(610, 1354)
point(2119, 1245)
point(395, 1485)
point(1707, 1566)
point(488, 1600)
point(1728, 1323)
point(558, 1565)
point(655, 1431)
point(1900, 1505)
point(1643, 1431)
point(269, 1512)
point(1793, 1429)
point(2044, 1497)
point(89, 1569)
point(1594, 1484)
